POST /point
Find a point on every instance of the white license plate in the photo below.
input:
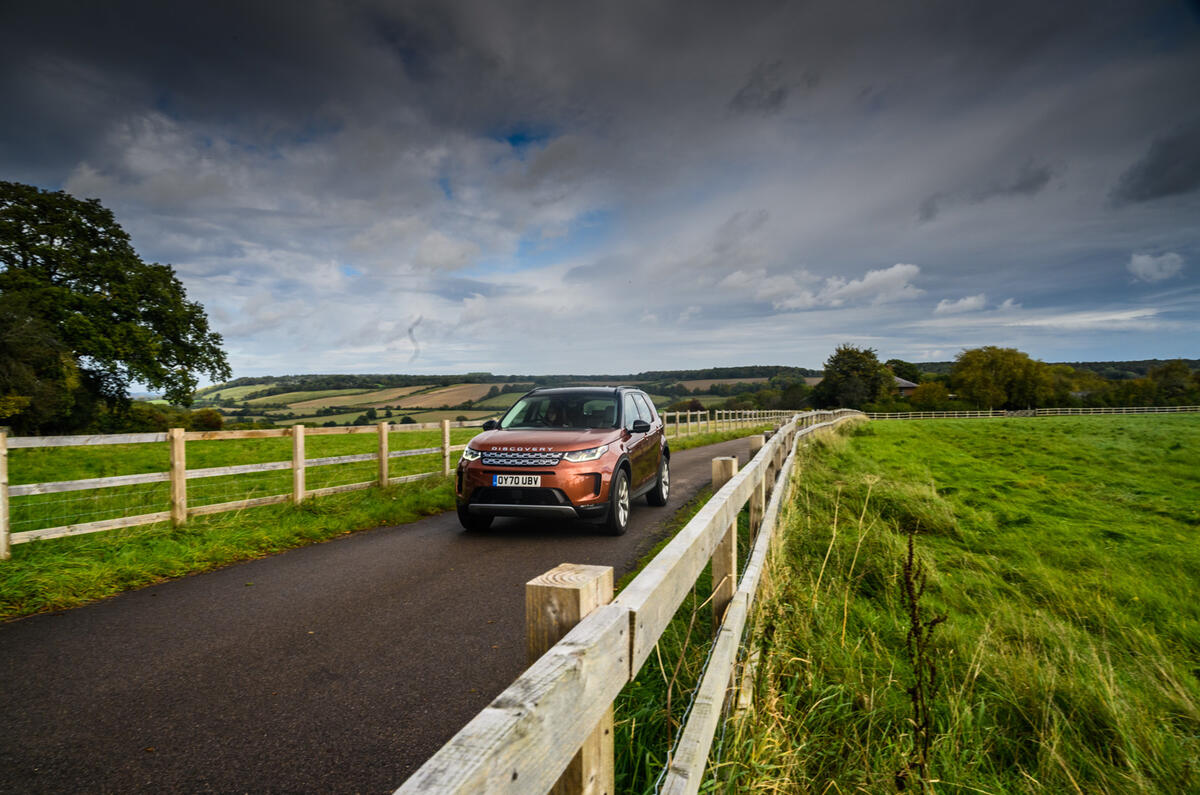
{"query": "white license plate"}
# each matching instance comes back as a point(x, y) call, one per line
point(527, 481)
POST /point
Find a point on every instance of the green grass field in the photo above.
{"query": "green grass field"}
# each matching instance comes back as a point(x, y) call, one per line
point(1063, 554)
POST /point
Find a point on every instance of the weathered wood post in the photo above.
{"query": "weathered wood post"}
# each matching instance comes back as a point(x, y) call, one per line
point(298, 489)
point(383, 454)
point(5, 535)
point(758, 497)
point(178, 473)
point(724, 558)
point(445, 447)
point(554, 603)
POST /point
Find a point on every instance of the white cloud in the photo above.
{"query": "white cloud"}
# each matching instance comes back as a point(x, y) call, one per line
point(1149, 268)
point(971, 303)
point(689, 313)
point(877, 286)
point(1009, 305)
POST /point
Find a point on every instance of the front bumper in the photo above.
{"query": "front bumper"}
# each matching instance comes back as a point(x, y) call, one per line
point(567, 491)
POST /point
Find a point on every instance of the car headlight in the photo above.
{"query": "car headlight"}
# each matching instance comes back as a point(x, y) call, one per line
point(471, 454)
point(592, 454)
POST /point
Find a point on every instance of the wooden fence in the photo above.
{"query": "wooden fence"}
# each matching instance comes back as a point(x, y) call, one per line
point(178, 475)
point(1054, 412)
point(686, 423)
point(555, 719)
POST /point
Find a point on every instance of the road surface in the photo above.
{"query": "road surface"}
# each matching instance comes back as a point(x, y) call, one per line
point(338, 667)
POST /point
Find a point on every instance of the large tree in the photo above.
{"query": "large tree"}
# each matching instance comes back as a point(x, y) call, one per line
point(853, 377)
point(1002, 378)
point(88, 315)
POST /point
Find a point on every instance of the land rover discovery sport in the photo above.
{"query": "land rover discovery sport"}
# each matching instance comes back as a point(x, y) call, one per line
point(577, 452)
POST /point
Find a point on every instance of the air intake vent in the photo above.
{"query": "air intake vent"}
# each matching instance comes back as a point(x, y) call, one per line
point(504, 458)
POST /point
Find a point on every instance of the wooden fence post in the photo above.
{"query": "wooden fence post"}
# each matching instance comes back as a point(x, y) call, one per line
point(5, 537)
point(554, 603)
point(724, 559)
point(758, 500)
point(298, 490)
point(383, 454)
point(178, 476)
point(445, 447)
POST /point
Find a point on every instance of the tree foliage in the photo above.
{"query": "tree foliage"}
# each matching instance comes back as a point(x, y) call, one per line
point(1002, 378)
point(906, 370)
point(853, 377)
point(83, 316)
point(930, 396)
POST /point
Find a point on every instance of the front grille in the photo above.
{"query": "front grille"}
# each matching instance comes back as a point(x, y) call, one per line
point(505, 458)
point(500, 495)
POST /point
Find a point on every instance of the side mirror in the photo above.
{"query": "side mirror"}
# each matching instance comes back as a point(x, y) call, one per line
point(640, 426)
point(491, 425)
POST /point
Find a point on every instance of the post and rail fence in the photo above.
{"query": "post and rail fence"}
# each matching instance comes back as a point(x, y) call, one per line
point(686, 423)
point(551, 729)
point(1049, 412)
point(114, 497)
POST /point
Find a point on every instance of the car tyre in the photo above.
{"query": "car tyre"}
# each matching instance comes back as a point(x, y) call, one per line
point(618, 504)
point(473, 521)
point(662, 487)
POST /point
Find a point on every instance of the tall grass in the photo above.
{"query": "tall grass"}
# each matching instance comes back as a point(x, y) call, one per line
point(1063, 553)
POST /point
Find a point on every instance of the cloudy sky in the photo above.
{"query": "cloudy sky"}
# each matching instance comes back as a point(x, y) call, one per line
point(620, 186)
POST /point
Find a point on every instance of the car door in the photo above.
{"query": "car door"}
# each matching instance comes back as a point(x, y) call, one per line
point(651, 445)
point(638, 444)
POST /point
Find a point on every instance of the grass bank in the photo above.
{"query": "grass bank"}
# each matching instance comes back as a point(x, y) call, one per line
point(1063, 555)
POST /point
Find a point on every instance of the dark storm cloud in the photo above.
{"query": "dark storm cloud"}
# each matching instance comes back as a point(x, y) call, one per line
point(1171, 167)
point(445, 159)
point(1028, 180)
point(764, 92)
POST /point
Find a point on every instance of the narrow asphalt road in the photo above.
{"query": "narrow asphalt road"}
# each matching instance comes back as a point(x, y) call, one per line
point(338, 667)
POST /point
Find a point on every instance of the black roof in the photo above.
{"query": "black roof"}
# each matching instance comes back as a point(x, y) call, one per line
point(580, 390)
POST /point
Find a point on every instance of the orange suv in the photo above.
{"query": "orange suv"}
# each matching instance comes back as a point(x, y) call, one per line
point(575, 452)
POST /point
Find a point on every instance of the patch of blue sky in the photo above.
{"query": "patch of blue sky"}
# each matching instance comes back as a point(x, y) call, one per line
point(523, 135)
point(584, 237)
point(351, 271)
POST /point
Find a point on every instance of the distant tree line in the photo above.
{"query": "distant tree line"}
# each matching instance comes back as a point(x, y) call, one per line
point(997, 378)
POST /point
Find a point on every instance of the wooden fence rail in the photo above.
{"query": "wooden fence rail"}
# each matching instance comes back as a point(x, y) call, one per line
point(1053, 412)
point(525, 739)
point(178, 475)
point(686, 423)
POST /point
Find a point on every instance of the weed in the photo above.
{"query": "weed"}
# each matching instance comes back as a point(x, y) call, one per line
point(920, 656)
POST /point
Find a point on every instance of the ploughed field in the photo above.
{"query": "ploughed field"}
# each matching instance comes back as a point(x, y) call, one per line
point(1063, 554)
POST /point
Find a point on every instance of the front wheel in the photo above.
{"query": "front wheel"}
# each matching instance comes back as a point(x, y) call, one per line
point(473, 521)
point(618, 504)
point(662, 487)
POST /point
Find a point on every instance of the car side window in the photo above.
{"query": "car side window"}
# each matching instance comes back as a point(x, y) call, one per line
point(644, 408)
point(630, 411)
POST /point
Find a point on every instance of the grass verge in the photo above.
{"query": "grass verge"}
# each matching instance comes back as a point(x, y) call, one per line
point(1063, 554)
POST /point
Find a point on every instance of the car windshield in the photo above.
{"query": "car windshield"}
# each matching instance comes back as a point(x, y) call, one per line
point(575, 412)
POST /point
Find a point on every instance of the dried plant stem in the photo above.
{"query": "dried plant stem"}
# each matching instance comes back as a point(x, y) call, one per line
point(832, 538)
